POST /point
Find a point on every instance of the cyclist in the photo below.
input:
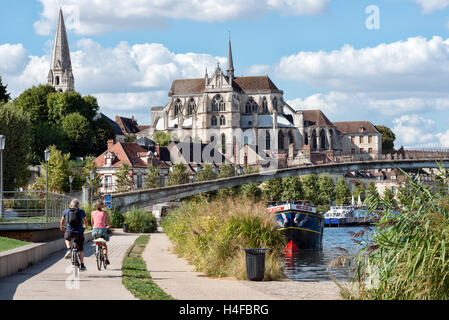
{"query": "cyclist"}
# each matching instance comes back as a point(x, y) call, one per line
point(72, 220)
point(100, 224)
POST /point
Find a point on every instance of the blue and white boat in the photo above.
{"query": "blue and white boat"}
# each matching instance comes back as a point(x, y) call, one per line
point(339, 216)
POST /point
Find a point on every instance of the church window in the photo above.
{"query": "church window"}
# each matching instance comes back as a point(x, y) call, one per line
point(222, 121)
point(214, 121)
point(57, 81)
point(306, 138)
point(251, 106)
point(191, 106)
point(322, 140)
point(267, 141)
point(223, 144)
point(275, 103)
point(281, 140)
point(178, 107)
point(218, 103)
point(264, 105)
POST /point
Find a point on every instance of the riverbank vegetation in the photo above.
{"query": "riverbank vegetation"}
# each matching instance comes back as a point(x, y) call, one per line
point(407, 256)
point(211, 236)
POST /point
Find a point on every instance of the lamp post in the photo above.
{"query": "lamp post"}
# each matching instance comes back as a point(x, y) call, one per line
point(47, 159)
point(70, 181)
point(2, 147)
point(92, 177)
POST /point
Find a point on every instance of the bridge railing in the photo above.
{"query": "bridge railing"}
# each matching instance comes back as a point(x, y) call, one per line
point(33, 207)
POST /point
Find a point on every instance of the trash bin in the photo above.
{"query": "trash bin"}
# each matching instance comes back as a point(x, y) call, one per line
point(125, 227)
point(255, 263)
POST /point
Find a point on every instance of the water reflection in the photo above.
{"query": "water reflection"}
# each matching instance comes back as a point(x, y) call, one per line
point(312, 265)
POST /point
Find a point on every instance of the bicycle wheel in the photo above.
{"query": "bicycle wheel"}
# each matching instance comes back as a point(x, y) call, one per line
point(103, 259)
point(98, 256)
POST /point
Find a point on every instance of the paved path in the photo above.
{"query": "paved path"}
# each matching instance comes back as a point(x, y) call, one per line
point(53, 278)
point(176, 277)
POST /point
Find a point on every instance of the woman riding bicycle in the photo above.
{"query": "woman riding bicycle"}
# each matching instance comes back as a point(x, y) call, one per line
point(100, 222)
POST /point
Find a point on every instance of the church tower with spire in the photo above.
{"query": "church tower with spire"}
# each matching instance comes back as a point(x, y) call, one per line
point(60, 75)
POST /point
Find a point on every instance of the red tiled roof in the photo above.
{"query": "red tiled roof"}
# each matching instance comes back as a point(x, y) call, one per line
point(126, 152)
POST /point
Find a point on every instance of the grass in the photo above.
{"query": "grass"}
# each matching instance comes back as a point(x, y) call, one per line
point(136, 278)
point(407, 257)
point(211, 236)
point(8, 244)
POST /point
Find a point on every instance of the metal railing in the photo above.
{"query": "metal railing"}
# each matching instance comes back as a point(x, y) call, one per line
point(33, 207)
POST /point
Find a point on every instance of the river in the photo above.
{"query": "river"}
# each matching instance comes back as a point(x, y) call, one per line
point(312, 266)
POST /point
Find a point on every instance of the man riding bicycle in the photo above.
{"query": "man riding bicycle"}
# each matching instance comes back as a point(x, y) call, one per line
point(72, 220)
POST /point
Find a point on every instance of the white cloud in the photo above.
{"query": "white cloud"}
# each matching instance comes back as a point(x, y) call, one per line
point(95, 17)
point(444, 138)
point(13, 58)
point(428, 6)
point(417, 65)
point(414, 130)
point(257, 69)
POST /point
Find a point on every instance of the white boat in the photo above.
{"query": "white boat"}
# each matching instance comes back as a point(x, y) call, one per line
point(346, 216)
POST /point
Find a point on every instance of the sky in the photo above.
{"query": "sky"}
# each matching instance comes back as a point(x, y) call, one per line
point(385, 61)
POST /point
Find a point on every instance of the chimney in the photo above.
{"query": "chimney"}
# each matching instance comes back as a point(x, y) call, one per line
point(110, 144)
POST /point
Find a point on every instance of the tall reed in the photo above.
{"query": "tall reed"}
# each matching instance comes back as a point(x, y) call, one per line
point(408, 255)
point(211, 236)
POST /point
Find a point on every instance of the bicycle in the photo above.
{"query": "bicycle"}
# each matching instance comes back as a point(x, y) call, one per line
point(99, 254)
point(75, 258)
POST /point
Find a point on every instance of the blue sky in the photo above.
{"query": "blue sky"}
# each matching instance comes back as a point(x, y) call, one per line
point(319, 52)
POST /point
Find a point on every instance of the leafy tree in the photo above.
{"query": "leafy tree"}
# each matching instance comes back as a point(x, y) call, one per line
point(388, 138)
point(153, 179)
point(102, 132)
point(162, 138)
point(4, 95)
point(91, 166)
point(34, 101)
point(327, 190)
point(15, 126)
point(311, 188)
point(342, 193)
point(292, 189)
point(207, 173)
point(78, 131)
point(44, 135)
point(251, 191)
point(226, 171)
point(179, 175)
point(123, 178)
point(58, 172)
point(130, 138)
point(372, 190)
point(272, 189)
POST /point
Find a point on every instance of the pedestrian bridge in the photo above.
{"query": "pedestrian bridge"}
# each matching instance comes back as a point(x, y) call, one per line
point(143, 198)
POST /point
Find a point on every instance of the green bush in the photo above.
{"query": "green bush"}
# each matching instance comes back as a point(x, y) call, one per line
point(139, 220)
point(212, 236)
point(117, 219)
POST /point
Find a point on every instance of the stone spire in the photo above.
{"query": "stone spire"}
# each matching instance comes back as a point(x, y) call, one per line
point(230, 71)
point(60, 75)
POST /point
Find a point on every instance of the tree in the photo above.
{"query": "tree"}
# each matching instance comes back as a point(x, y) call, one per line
point(123, 178)
point(130, 138)
point(58, 172)
point(388, 138)
point(15, 126)
point(78, 131)
point(292, 189)
point(342, 193)
point(179, 175)
point(162, 138)
point(226, 171)
point(272, 189)
point(34, 101)
point(91, 166)
point(207, 173)
point(251, 191)
point(327, 190)
point(44, 135)
point(4, 95)
point(311, 188)
point(372, 190)
point(153, 179)
point(102, 132)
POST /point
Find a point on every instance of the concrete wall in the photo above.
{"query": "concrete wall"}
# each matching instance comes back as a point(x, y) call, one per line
point(15, 260)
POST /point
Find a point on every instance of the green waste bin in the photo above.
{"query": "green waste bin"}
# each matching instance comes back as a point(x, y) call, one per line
point(255, 263)
point(125, 227)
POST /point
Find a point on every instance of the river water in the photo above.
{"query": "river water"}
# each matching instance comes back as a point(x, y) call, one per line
point(313, 265)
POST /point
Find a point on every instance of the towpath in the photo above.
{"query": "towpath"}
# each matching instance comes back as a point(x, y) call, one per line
point(176, 277)
point(53, 278)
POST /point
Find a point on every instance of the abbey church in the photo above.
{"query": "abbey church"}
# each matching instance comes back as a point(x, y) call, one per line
point(243, 117)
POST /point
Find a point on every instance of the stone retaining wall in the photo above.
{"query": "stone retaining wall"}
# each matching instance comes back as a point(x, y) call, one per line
point(16, 260)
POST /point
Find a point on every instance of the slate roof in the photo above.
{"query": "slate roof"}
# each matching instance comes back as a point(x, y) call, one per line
point(354, 127)
point(316, 118)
